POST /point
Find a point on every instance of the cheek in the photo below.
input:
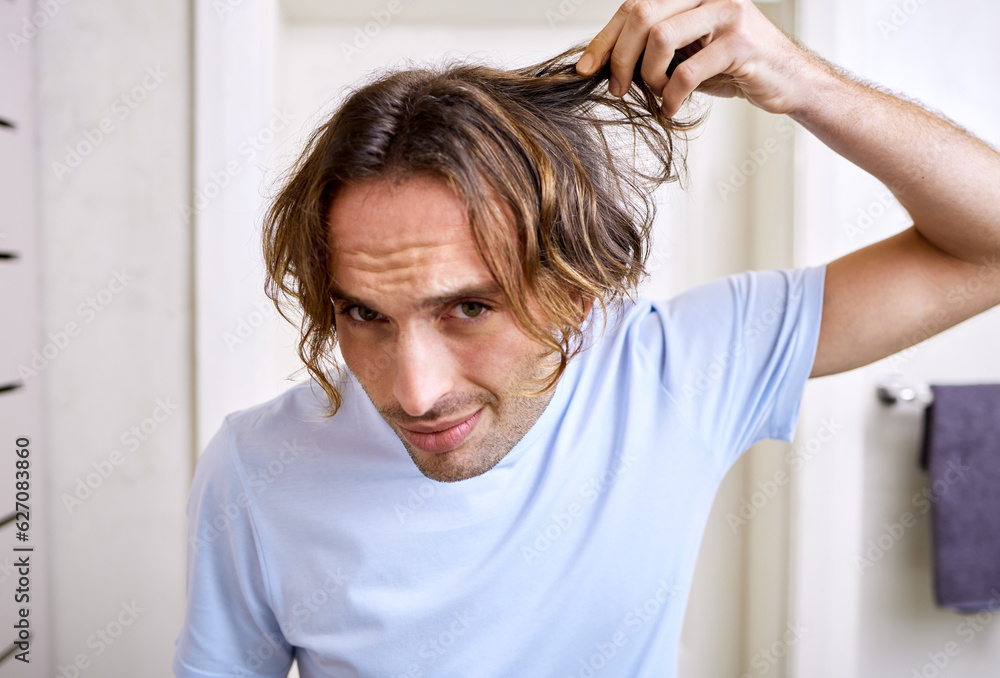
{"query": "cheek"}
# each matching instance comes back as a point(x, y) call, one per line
point(501, 358)
point(370, 361)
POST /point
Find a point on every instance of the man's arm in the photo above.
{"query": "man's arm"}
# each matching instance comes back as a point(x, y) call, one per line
point(894, 293)
point(946, 268)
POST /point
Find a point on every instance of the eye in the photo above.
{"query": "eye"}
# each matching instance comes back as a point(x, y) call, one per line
point(471, 309)
point(360, 314)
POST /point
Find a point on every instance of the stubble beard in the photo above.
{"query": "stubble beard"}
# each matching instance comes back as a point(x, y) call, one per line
point(511, 416)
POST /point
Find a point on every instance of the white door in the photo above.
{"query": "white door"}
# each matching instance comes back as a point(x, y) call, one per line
point(24, 558)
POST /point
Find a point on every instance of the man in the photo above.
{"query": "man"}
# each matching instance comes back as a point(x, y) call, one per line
point(470, 243)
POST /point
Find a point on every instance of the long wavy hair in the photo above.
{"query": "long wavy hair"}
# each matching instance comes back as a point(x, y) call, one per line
point(572, 166)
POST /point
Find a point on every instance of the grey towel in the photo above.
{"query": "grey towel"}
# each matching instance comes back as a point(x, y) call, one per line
point(962, 452)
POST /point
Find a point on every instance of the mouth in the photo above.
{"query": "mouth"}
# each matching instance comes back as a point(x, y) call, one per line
point(444, 440)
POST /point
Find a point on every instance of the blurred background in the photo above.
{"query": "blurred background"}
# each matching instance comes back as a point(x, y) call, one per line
point(138, 144)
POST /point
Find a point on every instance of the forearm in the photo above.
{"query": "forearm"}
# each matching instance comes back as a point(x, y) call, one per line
point(948, 180)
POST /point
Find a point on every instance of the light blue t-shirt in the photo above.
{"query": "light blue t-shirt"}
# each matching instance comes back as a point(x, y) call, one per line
point(572, 558)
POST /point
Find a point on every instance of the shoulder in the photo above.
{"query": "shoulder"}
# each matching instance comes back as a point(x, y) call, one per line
point(713, 322)
point(300, 408)
point(291, 426)
point(290, 441)
point(741, 290)
point(734, 304)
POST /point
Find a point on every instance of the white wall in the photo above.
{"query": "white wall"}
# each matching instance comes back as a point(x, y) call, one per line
point(882, 620)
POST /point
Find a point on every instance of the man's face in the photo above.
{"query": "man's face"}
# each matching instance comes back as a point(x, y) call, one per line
point(422, 326)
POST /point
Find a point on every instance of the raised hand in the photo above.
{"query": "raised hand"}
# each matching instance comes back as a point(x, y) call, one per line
point(729, 49)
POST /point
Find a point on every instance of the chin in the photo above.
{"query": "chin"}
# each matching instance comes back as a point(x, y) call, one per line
point(461, 463)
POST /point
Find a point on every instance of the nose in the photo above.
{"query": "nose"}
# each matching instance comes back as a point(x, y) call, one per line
point(425, 371)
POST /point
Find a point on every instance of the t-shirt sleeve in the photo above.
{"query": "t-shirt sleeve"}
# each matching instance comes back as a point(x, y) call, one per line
point(735, 354)
point(229, 627)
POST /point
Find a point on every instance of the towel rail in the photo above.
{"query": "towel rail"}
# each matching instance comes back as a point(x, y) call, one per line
point(892, 390)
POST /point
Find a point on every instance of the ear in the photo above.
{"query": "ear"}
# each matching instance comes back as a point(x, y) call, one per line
point(587, 303)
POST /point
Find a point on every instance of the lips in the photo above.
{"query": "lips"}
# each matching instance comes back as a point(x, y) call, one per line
point(444, 440)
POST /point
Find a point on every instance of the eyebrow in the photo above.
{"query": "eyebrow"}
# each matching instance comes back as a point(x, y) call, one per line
point(489, 291)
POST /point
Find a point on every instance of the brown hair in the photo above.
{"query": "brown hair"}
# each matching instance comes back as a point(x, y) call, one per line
point(538, 147)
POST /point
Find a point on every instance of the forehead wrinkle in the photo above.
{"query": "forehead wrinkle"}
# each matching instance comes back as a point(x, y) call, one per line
point(404, 255)
point(417, 284)
point(403, 243)
point(393, 258)
point(433, 283)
